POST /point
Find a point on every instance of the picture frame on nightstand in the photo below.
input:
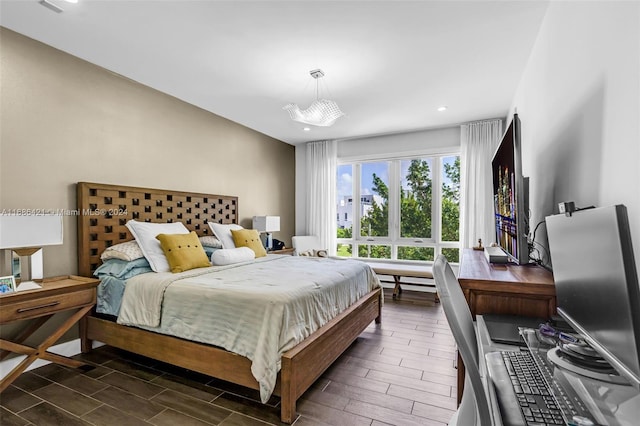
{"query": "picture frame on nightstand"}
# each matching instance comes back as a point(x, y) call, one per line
point(7, 284)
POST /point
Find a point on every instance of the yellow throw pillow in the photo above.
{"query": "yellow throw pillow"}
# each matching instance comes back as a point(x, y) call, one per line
point(249, 238)
point(183, 251)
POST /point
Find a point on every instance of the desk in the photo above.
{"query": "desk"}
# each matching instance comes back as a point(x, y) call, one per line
point(609, 403)
point(526, 290)
point(506, 289)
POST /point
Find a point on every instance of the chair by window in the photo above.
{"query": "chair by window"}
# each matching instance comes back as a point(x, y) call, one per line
point(303, 243)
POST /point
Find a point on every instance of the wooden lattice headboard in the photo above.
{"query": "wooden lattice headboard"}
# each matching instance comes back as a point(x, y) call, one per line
point(103, 211)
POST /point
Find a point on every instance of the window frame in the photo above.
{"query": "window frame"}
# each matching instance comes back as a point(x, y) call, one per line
point(394, 240)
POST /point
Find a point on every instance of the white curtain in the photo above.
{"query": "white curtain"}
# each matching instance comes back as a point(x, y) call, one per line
point(321, 192)
point(478, 142)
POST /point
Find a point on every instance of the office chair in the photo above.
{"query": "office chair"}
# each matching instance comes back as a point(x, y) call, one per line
point(474, 407)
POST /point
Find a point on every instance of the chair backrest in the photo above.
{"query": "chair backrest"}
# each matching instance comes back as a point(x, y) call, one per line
point(302, 243)
point(459, 318)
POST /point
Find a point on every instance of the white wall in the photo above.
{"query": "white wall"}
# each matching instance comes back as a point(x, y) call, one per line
point(579, 103)
point(422, 142)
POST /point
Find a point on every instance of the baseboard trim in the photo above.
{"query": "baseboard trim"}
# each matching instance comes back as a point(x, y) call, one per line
point(69, 349)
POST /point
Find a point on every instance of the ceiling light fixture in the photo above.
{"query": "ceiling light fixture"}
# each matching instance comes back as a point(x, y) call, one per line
point(322, 112)
point(442, 108)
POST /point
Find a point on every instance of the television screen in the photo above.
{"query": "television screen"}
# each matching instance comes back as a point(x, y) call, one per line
point(510, 194)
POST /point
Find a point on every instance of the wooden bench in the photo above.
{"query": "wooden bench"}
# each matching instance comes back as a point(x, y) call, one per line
point(399, 270)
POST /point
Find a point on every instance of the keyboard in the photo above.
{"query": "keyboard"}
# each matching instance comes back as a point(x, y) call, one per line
point(528, 395)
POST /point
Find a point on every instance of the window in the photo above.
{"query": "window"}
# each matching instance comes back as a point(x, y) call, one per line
point(408, 209)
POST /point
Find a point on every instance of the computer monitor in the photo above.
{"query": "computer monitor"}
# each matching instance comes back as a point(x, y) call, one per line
point(597, 283)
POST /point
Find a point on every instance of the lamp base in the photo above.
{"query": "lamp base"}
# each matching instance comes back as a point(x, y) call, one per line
point(28, 285)
point(31, 263)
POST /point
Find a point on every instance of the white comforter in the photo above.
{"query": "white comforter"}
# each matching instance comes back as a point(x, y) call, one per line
point(257, 309)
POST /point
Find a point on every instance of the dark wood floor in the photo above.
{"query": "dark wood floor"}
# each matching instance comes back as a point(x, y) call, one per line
point(400, 372)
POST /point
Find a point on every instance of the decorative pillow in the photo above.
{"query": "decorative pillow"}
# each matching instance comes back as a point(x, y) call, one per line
point(183, 251)
point(249, 238)
point(223, 233)
point(210, 250)
point(128, 251)
point(320, 253)
point(314, 253)
point(210, 241)
point(123, 269)
point(231, 256)
point(145, 234)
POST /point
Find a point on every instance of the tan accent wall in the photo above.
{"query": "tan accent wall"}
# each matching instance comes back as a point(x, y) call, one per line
point(64, 120)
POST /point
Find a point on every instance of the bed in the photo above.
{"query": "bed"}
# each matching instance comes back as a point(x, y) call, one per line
point(103, 213)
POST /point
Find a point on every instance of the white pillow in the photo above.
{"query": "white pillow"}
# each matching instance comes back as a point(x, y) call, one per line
point(128, 251)
point(145, 235)
point(230, 256)
point(223, 233)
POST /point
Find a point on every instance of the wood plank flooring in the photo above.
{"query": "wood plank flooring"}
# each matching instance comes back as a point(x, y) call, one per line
point(400, 372)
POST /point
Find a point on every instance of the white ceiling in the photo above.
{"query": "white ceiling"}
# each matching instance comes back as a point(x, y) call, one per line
point(389, 64)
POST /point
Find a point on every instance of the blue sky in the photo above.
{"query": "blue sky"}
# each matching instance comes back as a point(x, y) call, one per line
point(345, 176)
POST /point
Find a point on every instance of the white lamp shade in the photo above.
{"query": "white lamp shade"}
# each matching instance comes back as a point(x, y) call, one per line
point(266, 223)
point(30, 231)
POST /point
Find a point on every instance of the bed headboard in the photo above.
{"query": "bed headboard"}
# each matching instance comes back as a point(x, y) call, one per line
point(103, 211)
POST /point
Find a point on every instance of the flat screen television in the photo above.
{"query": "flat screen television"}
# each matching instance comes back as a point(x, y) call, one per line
point(596, 282)
point(511, 196)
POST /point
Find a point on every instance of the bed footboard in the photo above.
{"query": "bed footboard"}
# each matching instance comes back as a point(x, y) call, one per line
point(304, 364)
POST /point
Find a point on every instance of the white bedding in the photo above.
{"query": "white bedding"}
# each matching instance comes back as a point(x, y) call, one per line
point(257, 309)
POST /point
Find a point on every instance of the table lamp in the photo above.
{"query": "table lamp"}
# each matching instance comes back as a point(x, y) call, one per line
point(267, 224)
point(26, 235)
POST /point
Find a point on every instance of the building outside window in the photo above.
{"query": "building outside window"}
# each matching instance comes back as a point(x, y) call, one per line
point(408, 208)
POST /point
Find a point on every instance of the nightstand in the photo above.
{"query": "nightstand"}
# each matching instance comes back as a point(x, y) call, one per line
point(285, 250)
point(57, 294)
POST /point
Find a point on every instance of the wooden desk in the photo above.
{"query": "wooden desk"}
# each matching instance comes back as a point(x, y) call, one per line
point(526, 290)
point(506, 289)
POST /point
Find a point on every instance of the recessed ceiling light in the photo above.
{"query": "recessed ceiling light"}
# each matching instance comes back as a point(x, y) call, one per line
point(307, 129)
point(442, 108)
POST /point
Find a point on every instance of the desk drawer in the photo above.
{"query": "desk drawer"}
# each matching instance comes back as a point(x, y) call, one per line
point(46, 305)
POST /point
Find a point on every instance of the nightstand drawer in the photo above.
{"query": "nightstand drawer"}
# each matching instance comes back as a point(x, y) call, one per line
point(46, 305)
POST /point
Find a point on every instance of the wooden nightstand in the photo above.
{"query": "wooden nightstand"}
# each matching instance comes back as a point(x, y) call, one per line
point(57, 294)
point(285, 250)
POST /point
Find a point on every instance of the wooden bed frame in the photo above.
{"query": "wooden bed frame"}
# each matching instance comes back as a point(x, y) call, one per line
point(103, 212)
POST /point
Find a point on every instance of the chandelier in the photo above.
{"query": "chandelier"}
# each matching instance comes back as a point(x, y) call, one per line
point(322, 112)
